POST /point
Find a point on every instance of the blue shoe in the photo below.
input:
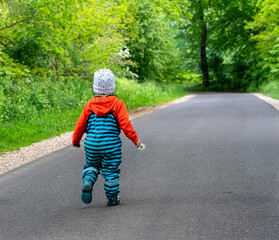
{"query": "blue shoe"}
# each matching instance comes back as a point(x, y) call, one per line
point(86, 195)
point(113, 201)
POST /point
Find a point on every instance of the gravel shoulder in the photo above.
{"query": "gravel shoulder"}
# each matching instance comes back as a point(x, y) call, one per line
point(14, 159)
point(269, 100)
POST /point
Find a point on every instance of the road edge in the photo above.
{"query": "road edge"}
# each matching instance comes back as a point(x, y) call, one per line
point(271, 101)
point(13, 159)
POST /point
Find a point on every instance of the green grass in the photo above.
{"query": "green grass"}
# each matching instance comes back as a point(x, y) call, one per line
point(23, 124)
point(20, 133)
point(270, 89)
point(146, 94)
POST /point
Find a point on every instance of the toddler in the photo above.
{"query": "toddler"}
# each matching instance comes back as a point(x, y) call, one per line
point(102, 119)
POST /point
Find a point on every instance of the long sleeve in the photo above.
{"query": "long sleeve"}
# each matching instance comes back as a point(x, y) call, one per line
point(80, 127)
point(124, 122)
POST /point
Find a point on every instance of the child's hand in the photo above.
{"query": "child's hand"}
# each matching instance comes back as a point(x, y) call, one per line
point(137, 143)
point(76, 145)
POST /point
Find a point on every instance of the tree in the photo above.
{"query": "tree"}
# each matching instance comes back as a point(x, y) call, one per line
point(63, 38)
point(217, 30)
point(230, 41)
point(153, 51)
point(194, 27)
point(204, 69)
point(265, 28)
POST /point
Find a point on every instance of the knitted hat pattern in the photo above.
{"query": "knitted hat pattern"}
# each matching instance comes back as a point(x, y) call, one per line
point(104, 81)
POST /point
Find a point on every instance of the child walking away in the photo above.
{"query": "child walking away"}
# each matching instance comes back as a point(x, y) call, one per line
point(103, 118)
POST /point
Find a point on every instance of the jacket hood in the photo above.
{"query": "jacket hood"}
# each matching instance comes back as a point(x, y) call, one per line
point(101, 106)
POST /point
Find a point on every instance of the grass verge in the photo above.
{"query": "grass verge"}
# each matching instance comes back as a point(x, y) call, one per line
point(57, 118)
point(270, 89)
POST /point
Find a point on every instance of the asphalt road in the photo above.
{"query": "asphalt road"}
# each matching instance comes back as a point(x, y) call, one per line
point(210, 170)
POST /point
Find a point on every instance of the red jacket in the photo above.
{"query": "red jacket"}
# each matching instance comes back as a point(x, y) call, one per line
point(101, 106)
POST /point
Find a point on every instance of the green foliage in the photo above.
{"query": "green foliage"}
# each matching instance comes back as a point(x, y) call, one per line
point(28, 51)
point(146, 94)
point(270, 88)
point(17, 133)
point(49, 49)
point(30, 98)
point(265, 29)
point(150, 40)
point(10, 69)
point(35, 111)
point(63, 38)
point(27, 98)
point(230, 54)
point(265, 25)
point(153, 49)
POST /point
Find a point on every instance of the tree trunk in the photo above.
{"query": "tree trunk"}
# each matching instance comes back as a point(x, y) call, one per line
point(205, 77)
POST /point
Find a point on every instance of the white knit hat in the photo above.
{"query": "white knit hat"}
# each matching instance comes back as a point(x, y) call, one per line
point(104, 82)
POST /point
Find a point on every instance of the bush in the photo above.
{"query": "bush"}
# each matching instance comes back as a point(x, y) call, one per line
point(270, 89)
point(27, 98)
point(34, 110)
point(147, 93)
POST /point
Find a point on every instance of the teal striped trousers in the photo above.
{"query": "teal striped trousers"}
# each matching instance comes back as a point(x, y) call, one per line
point(103, 152)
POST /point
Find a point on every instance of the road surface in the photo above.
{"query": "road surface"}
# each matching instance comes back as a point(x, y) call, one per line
point(210, 170)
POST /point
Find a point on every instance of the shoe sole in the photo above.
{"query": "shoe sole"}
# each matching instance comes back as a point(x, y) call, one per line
point(86, 195)
point(114, 203)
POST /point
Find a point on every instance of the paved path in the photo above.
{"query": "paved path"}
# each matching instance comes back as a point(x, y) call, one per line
point(210, 171)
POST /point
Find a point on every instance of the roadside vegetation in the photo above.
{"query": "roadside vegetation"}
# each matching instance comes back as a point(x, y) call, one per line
point(268, 88)
point(49, 51)
point(35, 111)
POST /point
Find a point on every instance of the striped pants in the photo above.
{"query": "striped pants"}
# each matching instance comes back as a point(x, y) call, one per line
point(103, 152)
point(106, 162)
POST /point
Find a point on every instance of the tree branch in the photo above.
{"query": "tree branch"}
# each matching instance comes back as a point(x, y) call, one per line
point(6, 46)
point(10, 26)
